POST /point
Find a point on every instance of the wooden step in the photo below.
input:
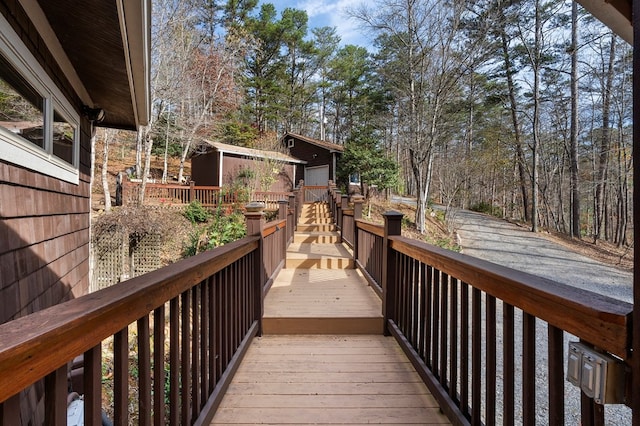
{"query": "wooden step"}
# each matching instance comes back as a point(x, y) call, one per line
point(318, 301)
point(318, 256)
point(316, 237)
point(315, 220)
point(316, 227)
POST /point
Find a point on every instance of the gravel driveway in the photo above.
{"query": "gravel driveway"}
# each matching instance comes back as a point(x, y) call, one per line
point(507, 244)
point(510, 245)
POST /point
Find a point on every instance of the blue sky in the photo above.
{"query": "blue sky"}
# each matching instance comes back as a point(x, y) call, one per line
point(329, 13)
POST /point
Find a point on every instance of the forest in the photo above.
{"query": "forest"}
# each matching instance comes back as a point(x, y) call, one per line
point(521, 109)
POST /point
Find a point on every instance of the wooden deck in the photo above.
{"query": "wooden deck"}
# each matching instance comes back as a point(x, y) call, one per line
point(318, 380)
point(323, 358)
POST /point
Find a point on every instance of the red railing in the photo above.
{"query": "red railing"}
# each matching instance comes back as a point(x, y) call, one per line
point(208, 196)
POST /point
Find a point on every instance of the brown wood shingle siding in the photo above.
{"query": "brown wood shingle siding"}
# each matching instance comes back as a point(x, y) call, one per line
point(44, 222)
point(305, 151)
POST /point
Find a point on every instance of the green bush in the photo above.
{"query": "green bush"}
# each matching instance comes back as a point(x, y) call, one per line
point(225, 227)
point(196, 213)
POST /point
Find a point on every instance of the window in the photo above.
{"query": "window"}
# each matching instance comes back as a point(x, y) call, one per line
point(38, 126)
point(290, 143)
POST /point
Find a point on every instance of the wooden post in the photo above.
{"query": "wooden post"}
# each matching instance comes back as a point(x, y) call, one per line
point(301, 188)
point(282, 209)
point(119, 189)
point(337, 214)
point(358, 200)
point(292, 207)
point(392, 226)
point(254, 216)
point(192, 191)
point(344, 204)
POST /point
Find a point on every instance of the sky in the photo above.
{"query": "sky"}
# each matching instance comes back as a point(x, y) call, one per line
point(330, 13)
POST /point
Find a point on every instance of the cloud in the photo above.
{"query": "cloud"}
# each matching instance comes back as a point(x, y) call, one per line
point(334, 14)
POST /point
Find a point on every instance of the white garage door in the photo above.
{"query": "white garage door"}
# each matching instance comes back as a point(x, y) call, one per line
point(316, 176)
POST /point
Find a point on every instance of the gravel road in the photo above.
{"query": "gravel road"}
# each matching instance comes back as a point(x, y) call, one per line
point(510, 245)
point(513, 246)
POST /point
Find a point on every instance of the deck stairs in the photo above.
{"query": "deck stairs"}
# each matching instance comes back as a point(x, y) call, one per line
point(319, 291)
point(322, 359)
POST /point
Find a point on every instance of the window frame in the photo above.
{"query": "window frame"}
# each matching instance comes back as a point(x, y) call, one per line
point(18, 150)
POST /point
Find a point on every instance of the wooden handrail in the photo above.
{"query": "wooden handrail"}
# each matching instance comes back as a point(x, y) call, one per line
point(600, 320)
point(35, 345)
point(369, 227)
point(273, 226)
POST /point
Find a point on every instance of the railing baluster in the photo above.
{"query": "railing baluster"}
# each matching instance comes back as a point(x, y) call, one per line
point(556, 375)
point(92, 386)
point(444, 335)
point(415, 316)
point(174, 361)
point(195, 353)
point(428, 327)
point(422, 321)
point(213, 348)
point(144, 372)
point(158, 366)
point(476, 355)
point(204, 341)
point(55, 399)
point(435, 350)
point(10, 410)
point(121, 377)
point(185, 365)
point(508, 355)
point(528, 369)
point(464, 348)
point(453, 348)
point(490, 416)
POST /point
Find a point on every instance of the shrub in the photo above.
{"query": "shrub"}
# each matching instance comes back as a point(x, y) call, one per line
point(224, 228)
point(196, 213)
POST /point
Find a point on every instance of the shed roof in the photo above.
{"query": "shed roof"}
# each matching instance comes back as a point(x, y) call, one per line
point(103, 48)
point(250, 152)
point(323, 144)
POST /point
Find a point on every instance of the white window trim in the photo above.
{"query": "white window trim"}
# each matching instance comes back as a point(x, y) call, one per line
point(15, 149)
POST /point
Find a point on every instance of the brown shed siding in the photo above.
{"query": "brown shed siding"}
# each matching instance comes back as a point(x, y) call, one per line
point(204, 169)
point(305, 151)
point(232, 165)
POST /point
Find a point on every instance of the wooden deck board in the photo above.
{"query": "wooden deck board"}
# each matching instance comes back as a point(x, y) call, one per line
point(317, 293)
point(327, 380)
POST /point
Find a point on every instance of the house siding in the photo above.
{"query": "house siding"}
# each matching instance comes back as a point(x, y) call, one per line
point(305, 151)
point(205, 170)
point(44, 222)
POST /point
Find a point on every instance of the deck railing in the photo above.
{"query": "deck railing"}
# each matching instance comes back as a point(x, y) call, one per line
point(209, 196)
point(465, 323)
point(210, 306)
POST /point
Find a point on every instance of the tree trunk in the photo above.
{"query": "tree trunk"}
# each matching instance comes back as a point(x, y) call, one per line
point(143, 135)
point(108, 134)
point(536, 118)
point(522, 173)
point(573, 142)
point(605, 143)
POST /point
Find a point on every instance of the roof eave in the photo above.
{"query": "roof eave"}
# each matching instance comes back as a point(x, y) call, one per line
point(615, 14)
point(135, 26)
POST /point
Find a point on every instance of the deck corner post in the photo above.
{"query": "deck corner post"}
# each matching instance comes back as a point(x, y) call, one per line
point(358, 201)
point(392, 226)
point(338, 209)
point(254, 216)
point(282, 209)
point(294, 210)
point(192, 191)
